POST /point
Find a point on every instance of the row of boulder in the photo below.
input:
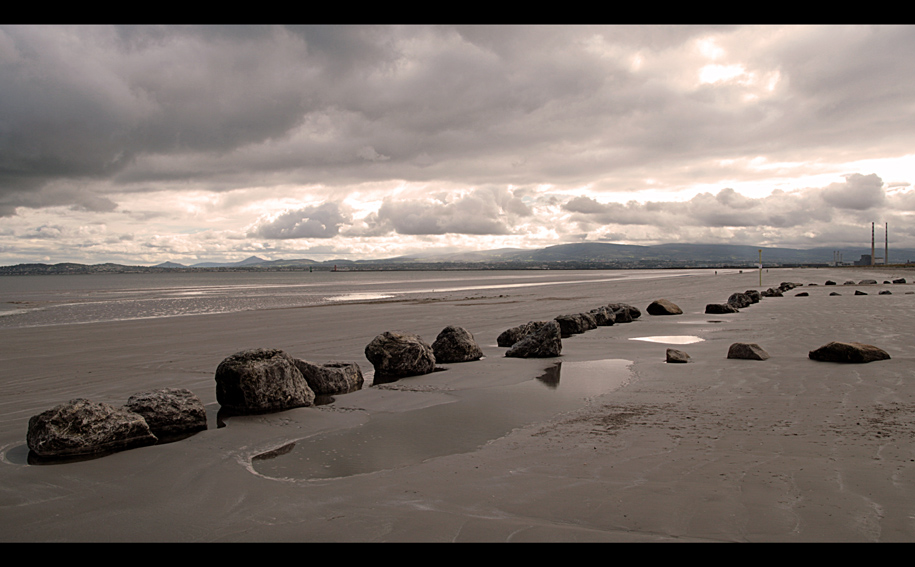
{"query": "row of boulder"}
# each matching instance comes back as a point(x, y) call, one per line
point(842, 352)
point(81, 428)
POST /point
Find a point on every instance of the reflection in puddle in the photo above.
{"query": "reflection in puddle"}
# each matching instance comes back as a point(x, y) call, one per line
point(670, 339)
point(478, 416)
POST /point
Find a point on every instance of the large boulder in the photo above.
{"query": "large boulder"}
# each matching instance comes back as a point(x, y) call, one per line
point(899, 280)
point(81, 428)
point(603, 316)
point(720, 308)
point(772, 292)
point(675, 356)
point(663, 307)
point(546, 342)
point(754, 295)
point(575, 324)
point(515, 334)
point(740, 300)
point(747, 351)
point(397, 355)
point(848, 353)
point(632, 310)
point(260, 381)
point(867, 282)
point(332, 378)
point(830, 282)
point(456, 344)
point(169, 412)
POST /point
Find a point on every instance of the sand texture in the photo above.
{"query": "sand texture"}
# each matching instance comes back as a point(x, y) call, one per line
point(611, 444)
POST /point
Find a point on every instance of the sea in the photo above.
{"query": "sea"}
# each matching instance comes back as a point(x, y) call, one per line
point(34, 301)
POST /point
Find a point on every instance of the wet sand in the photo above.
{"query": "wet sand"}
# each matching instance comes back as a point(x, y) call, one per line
point(786, 449)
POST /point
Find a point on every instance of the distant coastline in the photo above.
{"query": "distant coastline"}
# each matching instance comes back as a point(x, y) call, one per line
point(581, 256)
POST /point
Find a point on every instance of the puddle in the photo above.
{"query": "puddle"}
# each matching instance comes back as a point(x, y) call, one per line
point(359, 297)
point(478, 416)
point(670, 339)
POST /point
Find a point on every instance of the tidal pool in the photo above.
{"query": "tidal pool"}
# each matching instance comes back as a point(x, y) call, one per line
point(476, 417)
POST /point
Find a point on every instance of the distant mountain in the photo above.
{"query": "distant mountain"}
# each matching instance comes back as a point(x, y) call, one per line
point(169, 265)
point(250, 261)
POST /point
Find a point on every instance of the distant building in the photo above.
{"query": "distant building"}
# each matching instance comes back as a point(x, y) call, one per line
point(864, 261)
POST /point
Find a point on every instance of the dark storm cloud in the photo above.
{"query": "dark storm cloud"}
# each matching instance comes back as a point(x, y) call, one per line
point(322, 221)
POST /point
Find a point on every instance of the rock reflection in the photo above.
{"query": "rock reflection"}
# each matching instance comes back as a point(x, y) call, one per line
point(550, 376)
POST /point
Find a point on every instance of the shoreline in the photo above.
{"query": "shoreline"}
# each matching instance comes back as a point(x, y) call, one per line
point(713, 450)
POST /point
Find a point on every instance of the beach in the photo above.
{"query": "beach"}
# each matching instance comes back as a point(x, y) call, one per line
point(628, 448)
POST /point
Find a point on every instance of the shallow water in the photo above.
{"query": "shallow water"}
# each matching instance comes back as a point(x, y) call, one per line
point(670, 339)
point(474, 418)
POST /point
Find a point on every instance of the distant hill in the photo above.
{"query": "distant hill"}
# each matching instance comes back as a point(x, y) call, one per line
point(582, 255)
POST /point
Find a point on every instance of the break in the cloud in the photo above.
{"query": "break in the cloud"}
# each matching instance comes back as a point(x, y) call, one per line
point(196, 143)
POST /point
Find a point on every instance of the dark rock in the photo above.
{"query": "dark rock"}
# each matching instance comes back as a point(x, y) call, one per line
point(677, 356)
point(900, 280)
point(575, 324)
point(753, 295)
point(663, 307)
point(848, 353)
point(740, 300)
point(259, 381)
point(748, 351)
point(632, 310)
point(456, 344)
point(859, 292)
point(772, 292)
point(170, 412)
point(885, 292)
point(867, 282)
point(621, 313)
point(332, 378)
point(544, 343)
point(81, 428)
point(886, 281)
point(811, 284)
point(515, 334)
point(720, 308)
point(397, 355)
point(835, 293)
point(849, 282)
point(830, 282)
point(787, 286)
point(603, 316)
point(801, 294)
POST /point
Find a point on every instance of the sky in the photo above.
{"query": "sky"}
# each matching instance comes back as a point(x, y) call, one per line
point(140, 145)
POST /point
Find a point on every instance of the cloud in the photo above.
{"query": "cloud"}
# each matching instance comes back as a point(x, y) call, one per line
point(322, 221)
point(859, 192)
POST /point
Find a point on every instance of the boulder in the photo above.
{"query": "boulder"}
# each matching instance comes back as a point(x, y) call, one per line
point(787, 286)
point(81, 428)
point(859, 292)
point(867, 282)
point(720, 308)
point(546, 342)
point(885, 292)
point(332, 378)
point(456, 344)
point(260, 381)
point(621, 313)
point(515, 334)
point(849, 282)
point(603, 316)
point(900, 280)
point(634, 312)
point(397, 355)
point(575, 324)
point(835, 293)
point(753, 295)
point(739, 300)
point(169, 412)
point(848, 353)
point(747, 351)
point(675, 356)
point(830, 282)
point(663, 307)
point(802, 294)
point(772, 292)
